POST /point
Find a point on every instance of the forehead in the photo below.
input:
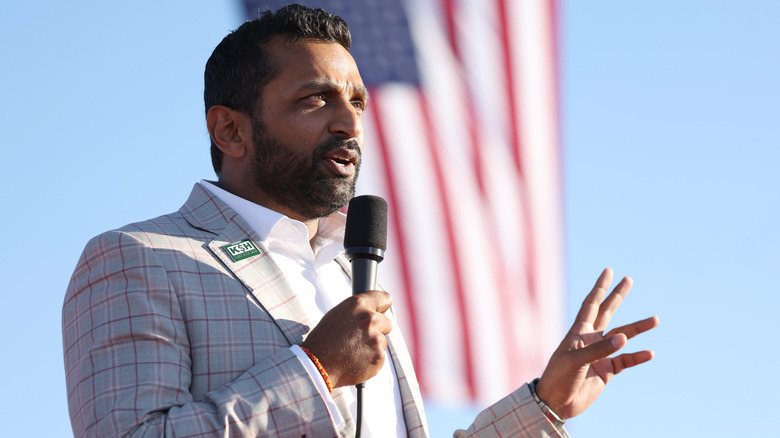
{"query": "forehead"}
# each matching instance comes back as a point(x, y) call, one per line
point(310, 62)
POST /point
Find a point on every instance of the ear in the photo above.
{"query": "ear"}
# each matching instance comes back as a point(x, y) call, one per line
point(229, 129)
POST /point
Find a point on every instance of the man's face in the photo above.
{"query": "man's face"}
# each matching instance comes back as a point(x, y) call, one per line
point(307, 131)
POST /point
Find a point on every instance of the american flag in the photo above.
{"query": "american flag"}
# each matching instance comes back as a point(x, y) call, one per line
point(462, 140)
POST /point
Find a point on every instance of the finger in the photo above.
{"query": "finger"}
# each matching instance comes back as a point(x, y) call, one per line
point(376, 300)
point(633, 329)
point(629, 360)
point(611, 304)
point(380, 322)
point(598, 350)
point(377, 341)
point(590, 306)
point(371, 321)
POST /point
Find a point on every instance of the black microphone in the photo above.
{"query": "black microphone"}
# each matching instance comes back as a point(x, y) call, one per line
point(365, 240)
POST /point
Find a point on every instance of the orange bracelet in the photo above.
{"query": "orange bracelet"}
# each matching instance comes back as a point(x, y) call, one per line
point(319, 368)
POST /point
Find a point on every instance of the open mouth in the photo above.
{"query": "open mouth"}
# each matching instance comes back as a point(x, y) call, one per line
point(342, 161)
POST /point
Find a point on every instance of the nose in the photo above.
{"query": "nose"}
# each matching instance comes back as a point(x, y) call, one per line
point(347, 120)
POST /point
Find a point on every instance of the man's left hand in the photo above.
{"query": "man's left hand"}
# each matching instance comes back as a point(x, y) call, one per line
point(581, 366)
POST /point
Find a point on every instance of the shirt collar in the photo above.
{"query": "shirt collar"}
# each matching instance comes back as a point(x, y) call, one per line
point(268, 223)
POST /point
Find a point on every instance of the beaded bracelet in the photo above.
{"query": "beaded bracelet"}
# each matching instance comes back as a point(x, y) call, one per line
point(319, 368)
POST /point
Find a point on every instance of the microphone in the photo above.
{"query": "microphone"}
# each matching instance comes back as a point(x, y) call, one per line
point(365, 240)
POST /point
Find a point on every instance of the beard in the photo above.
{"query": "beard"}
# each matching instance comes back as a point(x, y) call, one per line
point(300, 182)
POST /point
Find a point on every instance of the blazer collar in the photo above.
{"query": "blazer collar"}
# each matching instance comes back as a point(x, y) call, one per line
point(205, 211)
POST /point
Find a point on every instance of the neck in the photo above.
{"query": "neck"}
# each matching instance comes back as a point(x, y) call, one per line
point(260, 198)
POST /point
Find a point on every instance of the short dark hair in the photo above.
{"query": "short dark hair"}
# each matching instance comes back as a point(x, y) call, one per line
point(240, 67)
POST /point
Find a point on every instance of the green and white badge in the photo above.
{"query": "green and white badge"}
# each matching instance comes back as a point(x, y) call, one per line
point(242, 250)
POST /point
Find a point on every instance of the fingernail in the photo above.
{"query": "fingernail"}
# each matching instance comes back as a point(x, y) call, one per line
point(616, 341)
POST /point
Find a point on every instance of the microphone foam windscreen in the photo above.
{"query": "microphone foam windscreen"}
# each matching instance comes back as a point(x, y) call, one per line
point(366, 223)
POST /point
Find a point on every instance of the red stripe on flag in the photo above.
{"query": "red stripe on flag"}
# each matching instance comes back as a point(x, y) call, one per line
point(554, 49)
point(511, 91)
point(472, 121)
point(401, 233)
point(504, 289)
point(449, 26)
point(517, 147)
point(431, 141)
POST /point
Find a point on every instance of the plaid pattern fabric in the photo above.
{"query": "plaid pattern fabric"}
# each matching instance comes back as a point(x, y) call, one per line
point(516, 415)
point(165, 335)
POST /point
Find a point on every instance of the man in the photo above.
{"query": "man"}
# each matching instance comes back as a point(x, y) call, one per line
point(233, 316)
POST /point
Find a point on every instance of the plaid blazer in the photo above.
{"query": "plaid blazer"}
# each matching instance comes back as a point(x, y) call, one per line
point(164, 334)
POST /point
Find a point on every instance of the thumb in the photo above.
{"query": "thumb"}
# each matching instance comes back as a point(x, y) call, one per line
point(600, 349)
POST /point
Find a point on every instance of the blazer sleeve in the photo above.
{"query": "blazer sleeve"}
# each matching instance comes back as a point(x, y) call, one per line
point(515, 415)
point(128, 366)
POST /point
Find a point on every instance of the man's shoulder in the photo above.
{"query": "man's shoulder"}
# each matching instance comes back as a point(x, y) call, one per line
point(191, 221)
point(168, 224)
point(158, 231)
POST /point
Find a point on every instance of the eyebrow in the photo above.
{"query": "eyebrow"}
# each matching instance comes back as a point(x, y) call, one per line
point(325, 85)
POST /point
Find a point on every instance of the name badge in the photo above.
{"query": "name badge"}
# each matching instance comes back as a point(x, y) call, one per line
point(241, 250)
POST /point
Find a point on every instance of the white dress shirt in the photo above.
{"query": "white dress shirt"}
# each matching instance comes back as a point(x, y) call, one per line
point(320, 281)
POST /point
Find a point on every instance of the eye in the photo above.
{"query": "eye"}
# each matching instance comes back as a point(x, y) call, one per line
point(359, 104)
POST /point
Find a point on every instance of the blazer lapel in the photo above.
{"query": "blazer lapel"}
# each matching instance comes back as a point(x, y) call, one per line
point(411, 398)
point(264, 281)
point(257, 272)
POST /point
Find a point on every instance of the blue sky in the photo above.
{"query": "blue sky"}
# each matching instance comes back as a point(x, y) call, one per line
point(671, 149)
